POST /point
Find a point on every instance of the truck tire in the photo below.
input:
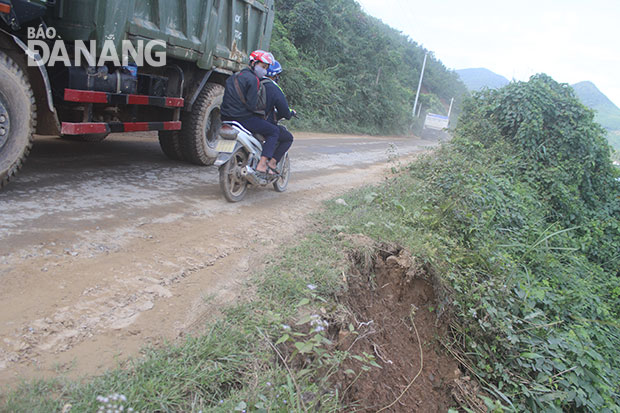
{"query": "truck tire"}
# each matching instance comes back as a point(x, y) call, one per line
point(201, 125)
point(170, 143)
point(18, 118)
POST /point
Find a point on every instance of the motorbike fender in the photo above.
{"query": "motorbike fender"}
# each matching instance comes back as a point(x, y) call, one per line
point(224, 157)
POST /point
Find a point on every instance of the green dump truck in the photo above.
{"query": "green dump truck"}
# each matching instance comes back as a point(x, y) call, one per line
point(82, 69)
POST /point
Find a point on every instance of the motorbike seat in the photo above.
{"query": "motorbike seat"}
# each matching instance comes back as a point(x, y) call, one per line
point(236, 127)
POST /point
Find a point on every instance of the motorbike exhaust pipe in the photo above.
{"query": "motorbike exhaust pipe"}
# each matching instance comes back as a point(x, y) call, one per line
point(249, 174)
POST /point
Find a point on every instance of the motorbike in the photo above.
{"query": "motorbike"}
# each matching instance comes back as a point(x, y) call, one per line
point(239, 153)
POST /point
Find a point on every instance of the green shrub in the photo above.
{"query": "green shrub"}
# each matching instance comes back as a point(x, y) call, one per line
point(519, 215)
point(565, 156)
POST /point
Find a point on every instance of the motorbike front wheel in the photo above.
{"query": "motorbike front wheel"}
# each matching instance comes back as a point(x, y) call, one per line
point(285, 173)
point(234, 185)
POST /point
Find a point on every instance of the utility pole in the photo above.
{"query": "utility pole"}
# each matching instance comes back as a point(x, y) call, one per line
point(450, 110)
point(419, 85)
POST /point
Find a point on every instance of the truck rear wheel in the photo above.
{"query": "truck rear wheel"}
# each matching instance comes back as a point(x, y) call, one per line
point(201, 125)
point(170, 143)
point(18, 118)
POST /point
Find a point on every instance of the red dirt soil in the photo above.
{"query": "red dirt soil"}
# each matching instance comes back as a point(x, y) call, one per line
point(392, 296)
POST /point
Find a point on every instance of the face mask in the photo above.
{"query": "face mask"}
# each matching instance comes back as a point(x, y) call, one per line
point(260, 71)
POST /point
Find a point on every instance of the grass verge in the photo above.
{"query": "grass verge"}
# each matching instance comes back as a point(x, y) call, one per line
point(232, 366)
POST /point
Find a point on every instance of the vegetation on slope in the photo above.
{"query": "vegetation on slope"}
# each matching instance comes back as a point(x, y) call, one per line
point(347, 71)
point(520, 216)
point(555, 239)
point(614, 141)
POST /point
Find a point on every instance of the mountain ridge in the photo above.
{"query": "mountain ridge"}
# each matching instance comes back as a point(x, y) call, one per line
point(480, 77)
point(607, 113)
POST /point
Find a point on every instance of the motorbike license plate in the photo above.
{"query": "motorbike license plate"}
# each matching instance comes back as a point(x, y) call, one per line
point(225, 146)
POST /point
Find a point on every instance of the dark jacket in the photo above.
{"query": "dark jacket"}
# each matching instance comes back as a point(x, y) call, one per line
point(233, 106)
point(277, 105)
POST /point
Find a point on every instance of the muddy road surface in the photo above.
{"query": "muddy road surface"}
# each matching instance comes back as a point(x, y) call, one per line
point(107, 247)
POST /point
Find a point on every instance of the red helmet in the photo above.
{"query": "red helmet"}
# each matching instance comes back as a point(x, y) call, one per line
point(261, 56)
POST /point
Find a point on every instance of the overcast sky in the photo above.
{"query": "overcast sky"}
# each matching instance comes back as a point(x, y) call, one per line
point(570, 40)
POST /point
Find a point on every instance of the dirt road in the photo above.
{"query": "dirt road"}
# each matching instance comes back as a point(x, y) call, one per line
point(107, 247)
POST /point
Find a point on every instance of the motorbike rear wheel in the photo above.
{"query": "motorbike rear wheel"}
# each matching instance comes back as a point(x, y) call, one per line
point(233, 184)
point(282, 183)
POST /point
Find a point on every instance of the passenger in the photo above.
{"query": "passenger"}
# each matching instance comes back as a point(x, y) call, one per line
point(240, 104)
point(277, 108)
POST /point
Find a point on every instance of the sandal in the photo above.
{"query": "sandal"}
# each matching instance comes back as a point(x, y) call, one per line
point(272, 171)
point(261, 175)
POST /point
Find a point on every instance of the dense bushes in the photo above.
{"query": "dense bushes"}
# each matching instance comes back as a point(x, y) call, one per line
point(548, 293)
point(347, 71)
point(519, 215)
point(566, 157)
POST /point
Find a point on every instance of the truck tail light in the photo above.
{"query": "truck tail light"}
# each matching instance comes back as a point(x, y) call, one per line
point(5, 8)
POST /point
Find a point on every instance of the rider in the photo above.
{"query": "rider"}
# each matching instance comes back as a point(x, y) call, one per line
point(240, 101)
point(277, 108)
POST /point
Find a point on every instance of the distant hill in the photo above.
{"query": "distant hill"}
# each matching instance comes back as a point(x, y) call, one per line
point(607, 114)
point(476, 79)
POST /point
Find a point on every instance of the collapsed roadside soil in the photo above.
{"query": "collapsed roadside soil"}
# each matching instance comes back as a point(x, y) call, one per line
point(398, 308)
point(74, 315)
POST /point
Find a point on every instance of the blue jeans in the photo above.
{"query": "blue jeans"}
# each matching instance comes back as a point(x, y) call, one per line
point(284, 143)
point(270, 131)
